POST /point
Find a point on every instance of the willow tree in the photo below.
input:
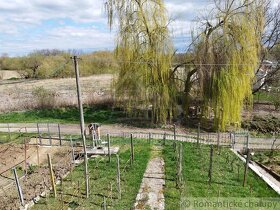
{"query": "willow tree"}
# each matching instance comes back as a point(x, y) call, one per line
point(144, 51)
point(227, 54)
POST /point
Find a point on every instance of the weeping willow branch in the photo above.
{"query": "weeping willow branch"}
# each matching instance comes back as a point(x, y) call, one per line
point(234, 40)
point(143, 42)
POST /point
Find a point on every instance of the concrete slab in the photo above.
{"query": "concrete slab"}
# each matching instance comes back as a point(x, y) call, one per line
point(102, 151)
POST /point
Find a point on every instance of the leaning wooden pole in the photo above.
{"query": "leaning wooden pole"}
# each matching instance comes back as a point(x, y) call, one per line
point(82, 123)
point(20, 194)
point(52, 175)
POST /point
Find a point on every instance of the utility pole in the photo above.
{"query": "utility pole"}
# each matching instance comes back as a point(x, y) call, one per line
point(82, 122)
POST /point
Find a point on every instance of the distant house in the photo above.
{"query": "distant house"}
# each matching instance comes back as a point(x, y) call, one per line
point(262, 73)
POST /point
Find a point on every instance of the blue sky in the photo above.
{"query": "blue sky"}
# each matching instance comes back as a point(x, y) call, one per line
point(27, 25)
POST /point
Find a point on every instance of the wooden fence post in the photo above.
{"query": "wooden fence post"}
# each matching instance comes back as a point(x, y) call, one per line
point(93, 139)
point(39, 135)
point(179, 179)
point(131, 149)
point(150, 136)
point(52, 175)
point(18, 187)
point(198, 134)
point(25, 156)
point(247, 141)
point(59, 134)
point(109, 149)
point(9, 131)
point(38, 157)
point(118, 176)
point(50, 139)
point(164, 138)
point(210, 165)
point(174, 137)
point(72, 150)
point(246, 167)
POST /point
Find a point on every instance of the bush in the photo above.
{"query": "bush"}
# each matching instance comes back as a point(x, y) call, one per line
point(44, 98)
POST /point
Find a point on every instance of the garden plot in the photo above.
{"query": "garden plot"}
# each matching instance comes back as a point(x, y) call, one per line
point(33, 178)
point(105, 190)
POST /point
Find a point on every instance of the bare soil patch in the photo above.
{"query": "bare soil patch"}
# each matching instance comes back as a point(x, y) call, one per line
point(37, 180)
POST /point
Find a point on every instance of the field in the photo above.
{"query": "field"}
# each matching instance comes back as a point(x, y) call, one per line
point(17, 95)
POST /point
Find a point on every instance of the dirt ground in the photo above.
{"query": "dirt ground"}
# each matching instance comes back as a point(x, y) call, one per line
point(37, 179)
point(17, 94)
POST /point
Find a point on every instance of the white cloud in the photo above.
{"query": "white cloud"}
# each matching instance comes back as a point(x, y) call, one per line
point(22, 27)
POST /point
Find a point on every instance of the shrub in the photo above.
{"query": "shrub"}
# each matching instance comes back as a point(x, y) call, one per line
point(44, 98)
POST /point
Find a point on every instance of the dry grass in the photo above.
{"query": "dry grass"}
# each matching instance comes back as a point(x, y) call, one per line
point(17, 95)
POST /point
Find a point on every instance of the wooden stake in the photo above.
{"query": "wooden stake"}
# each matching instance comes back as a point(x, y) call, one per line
point(131, 149)
point(18, 187)
point(9, 131)
point(25, 157)
point(59, 134)
point(38, 157)
point(210, 165)
point(72, 150)
point(164, 138)
point(118, 176)
point(198, 134)
point(50, 139)
point(39, 135)
point(246, 167)
point(52, 175)
point(150, 136)
point(109, 149)
point(247, 141)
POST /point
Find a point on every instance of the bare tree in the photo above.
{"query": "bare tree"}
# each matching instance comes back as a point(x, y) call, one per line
point(270, 44)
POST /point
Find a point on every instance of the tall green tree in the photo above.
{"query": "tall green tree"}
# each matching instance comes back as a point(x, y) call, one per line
point(144, 50)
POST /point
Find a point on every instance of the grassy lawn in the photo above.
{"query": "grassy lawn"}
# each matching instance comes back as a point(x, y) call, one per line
point(102, 180)
point(63, 115)
point(225, 179)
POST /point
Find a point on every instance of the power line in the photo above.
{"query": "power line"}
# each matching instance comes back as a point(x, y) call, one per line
point(182, 64)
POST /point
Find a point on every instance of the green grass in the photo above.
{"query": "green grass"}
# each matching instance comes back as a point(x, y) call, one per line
point(269, 159)
point(63, 115)
point(225, 181)
point(102, 174)
point(262, 96)
point(13, 137)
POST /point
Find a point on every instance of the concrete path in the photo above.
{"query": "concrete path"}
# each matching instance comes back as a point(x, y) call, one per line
point(150, 195)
